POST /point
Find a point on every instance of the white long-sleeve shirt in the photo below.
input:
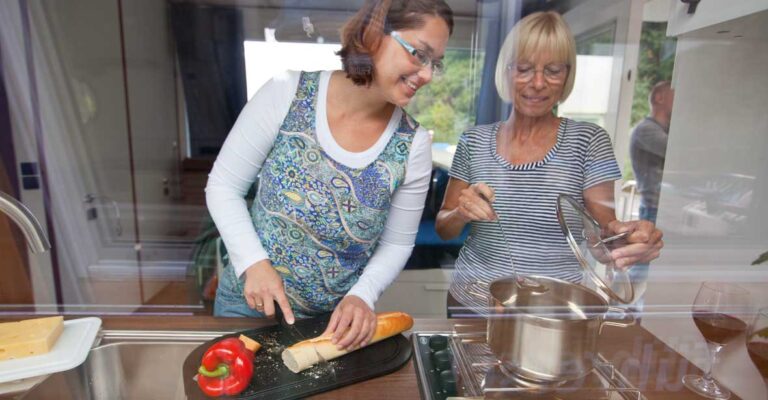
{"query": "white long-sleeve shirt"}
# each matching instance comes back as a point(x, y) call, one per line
point(247, 146)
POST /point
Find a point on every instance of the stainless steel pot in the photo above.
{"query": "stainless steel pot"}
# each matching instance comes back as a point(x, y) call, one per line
point(546, 329)
point(547, 336)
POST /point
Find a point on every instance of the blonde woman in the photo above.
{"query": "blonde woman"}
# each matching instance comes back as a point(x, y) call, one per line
point(514, 170)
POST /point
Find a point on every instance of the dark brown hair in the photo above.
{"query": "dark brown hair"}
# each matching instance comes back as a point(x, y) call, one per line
point(362, 34)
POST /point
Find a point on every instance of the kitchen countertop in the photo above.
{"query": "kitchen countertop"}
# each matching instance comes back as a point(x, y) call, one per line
point(647, 362)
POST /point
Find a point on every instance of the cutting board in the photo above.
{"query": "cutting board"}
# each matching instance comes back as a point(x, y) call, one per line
point(272, 380)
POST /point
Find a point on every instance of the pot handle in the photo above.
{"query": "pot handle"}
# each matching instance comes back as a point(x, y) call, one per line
point(619, 322)
point(476, 289)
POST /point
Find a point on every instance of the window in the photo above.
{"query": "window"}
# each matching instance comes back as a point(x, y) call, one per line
point(446, 107)
point(264, 59)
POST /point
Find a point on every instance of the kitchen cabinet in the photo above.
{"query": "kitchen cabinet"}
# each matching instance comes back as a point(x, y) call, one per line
point(421, 293)
point(709, 13)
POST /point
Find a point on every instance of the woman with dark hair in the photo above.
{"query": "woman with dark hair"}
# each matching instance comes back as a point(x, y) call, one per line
point(343, 174)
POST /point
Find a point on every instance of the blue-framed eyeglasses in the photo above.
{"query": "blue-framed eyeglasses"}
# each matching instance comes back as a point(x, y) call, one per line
point(421, 56)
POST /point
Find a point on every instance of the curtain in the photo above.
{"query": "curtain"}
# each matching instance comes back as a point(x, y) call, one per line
point(209, 45)
point(496, 19)
point(7, 157)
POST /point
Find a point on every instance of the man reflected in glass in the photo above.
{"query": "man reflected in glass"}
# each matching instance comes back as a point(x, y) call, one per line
point(648, 147)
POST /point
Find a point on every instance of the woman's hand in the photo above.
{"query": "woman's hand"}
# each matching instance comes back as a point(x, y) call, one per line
point(475, 203)
point(264, 286)
point(644, 243)
point(352, 324)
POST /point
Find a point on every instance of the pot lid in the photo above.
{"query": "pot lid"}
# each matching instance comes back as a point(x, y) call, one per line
point(592, 247)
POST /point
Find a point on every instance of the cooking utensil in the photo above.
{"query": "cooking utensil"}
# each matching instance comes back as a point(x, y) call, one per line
point(612, 238)
point(551, 336)
point(521, 281)
point(584, 236)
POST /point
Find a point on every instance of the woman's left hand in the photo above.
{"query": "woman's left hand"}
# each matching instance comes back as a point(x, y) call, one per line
point(644, 243)
point(352, 324)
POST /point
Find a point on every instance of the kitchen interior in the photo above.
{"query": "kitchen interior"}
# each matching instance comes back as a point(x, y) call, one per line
point(112, 113)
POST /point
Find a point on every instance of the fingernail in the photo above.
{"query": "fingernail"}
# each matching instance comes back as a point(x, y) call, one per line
point(291, 321)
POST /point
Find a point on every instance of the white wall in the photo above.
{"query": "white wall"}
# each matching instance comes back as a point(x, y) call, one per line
point(719, 126)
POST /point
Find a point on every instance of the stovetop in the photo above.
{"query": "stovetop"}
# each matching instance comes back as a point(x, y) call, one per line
point(460, 364)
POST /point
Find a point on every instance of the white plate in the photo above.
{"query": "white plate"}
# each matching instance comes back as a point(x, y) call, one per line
point(20, 386)
point(70, 350)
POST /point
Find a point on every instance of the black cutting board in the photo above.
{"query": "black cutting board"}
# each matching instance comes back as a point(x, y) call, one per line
point(273, 380)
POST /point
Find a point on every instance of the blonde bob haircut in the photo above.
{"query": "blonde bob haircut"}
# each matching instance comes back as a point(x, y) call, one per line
point(540, 32)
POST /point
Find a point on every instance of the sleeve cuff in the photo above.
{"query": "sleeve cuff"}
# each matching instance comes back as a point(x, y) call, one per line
point(241, 265)
point(364, 293)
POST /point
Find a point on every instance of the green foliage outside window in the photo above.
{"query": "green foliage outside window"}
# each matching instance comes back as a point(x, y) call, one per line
point(447, 105)
point(655, 62)
point(656, 59)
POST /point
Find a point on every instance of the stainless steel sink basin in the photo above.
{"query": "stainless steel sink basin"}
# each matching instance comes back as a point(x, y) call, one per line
point(127, 365)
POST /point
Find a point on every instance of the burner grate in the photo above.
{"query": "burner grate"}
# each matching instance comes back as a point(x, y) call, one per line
point(481, 374)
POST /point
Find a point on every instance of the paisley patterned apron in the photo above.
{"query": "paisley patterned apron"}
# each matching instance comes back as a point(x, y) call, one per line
point(319, 220)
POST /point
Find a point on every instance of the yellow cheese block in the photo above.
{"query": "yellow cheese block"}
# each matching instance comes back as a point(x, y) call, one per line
point(30, 337)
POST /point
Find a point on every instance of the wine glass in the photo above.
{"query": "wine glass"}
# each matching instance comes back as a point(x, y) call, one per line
point(719, 311)
point(757, 343)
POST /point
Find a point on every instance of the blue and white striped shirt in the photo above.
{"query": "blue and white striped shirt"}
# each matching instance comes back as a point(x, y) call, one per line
point(526, 198)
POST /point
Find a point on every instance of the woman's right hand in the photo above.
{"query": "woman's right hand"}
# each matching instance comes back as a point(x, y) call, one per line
point(264, 287)
point(464, 203)
point(475, 203)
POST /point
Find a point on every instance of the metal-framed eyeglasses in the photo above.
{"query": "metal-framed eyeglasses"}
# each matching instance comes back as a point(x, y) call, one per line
point(553, 73)
point(421, 56)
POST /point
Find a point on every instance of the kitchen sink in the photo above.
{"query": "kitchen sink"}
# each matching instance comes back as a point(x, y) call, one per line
point(126, 365)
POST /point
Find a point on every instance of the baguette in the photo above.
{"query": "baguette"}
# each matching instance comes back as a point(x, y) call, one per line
point(304, 354)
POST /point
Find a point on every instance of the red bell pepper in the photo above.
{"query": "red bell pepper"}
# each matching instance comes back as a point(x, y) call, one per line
point(227, 367)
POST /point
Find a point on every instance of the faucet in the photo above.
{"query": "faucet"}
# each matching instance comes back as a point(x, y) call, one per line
point(30, 226)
